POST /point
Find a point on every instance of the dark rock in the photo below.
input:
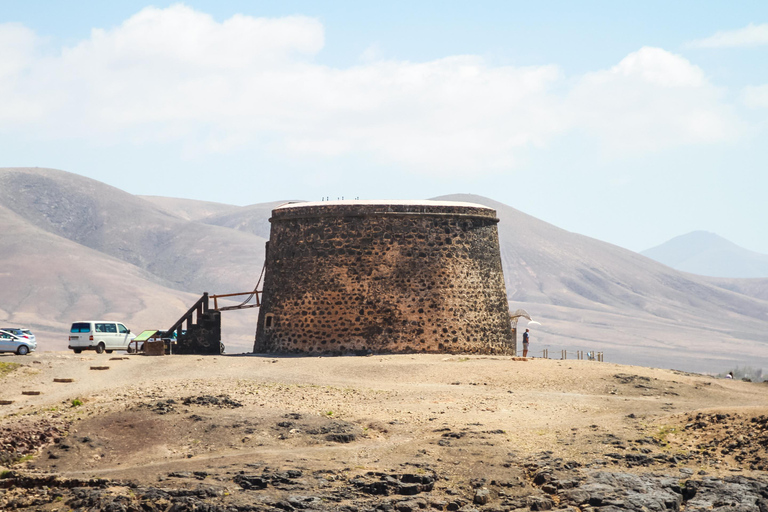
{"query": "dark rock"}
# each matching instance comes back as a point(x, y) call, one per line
point(341, 438)
point(180, 474)
point(409, 489)
point(302, 502)
point(549, 489)
point(482, 496)
point(222, 401)
point(410, 505)
point(536, 503)
point(477, 483)
point(576, 496)
point(542, 476)
point(251, 481)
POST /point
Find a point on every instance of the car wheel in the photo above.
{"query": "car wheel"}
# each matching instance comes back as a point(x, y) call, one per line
point(78, 350)
point(100, 348)
point(22, 350)
point(110, 351)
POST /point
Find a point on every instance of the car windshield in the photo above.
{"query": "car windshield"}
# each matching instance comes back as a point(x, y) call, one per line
point(81, 327)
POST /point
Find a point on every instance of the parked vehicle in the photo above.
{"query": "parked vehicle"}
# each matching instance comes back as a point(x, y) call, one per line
point(29, 335)
point(18, 331)
point(11, 342)
point(99, 335)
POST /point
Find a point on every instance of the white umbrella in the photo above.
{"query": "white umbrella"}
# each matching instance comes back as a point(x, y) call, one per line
point(533, 322)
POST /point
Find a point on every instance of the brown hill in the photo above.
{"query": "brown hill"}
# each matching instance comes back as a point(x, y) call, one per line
point(73, 248)
point(185, 255)
point(49, 282)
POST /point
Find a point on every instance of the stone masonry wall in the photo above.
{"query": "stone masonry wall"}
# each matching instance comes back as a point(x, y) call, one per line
point(352, 278)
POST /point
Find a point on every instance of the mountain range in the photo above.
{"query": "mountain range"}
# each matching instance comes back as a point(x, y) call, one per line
point(74, 248)
point(708, 254)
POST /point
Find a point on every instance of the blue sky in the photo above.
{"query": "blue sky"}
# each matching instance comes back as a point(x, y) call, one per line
point(628, 122)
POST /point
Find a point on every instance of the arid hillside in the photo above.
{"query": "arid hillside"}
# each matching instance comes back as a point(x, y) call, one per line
point(182, 254)
point(76, 249)
point(588, 295)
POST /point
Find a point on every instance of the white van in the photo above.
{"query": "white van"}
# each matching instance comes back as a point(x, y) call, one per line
point(99, 335)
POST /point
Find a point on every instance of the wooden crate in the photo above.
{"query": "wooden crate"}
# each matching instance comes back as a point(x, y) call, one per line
point(154, 348)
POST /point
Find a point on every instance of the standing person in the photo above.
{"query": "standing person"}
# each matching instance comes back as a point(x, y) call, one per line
point(526, 340)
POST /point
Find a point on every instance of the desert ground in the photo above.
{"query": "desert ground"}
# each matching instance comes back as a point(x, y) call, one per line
point(380, 432)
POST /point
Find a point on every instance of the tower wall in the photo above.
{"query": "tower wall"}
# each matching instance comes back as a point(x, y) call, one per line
point(352, 277)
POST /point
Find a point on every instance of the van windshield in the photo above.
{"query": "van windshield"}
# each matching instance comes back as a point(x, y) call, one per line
point(81, 327)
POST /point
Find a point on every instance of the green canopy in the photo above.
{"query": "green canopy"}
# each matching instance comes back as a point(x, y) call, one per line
point(145, 335)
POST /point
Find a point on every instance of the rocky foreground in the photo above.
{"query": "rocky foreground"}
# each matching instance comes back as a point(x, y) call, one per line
point(395, 433)
point(545, 483)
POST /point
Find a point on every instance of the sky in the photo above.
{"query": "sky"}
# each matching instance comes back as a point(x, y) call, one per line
point(630, 122)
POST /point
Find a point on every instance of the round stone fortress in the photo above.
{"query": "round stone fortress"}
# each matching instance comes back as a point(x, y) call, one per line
point(384, 277)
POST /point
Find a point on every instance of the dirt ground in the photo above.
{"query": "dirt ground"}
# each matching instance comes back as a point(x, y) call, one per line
point(223, 419)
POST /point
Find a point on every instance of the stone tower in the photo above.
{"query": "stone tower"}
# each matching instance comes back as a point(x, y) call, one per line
point(383, 276)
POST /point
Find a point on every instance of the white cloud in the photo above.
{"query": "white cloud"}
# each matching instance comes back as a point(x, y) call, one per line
point(651, 100)
point(756, 96)
point(751, 35)
point(657, 67)
point(176, 74)
point(17, 49)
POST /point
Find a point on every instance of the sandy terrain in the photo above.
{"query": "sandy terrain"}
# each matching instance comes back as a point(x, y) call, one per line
point(155, 419)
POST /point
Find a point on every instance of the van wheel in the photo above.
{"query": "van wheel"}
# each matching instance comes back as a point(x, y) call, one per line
point(22, 350)
point(110, 351)
point(78, 350)
point(100, 348)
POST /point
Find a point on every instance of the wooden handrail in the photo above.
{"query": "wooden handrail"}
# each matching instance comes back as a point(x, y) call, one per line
point(201, 306)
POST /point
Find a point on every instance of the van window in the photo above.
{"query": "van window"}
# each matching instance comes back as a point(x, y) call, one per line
point(81, 327)
point(111, 328)
point(122, 329)
point(101, 328)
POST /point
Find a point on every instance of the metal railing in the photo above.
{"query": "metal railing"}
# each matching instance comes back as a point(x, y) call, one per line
point(243, 305)
point(580, 354)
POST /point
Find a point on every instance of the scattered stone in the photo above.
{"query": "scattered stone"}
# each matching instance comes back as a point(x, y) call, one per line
point(161, 406)
point(222, 401)
point(341, 438)
point(481, 496)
